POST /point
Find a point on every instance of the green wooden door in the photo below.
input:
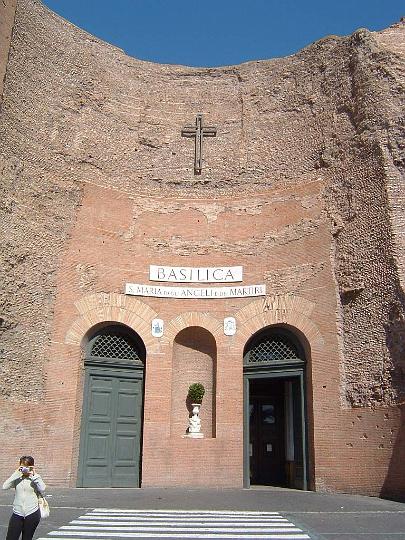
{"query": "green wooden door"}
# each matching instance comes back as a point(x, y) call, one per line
point(111, 427)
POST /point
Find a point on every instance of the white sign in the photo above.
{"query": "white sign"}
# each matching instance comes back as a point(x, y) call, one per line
point(186, 274)
point(157, 328)
point(135, 289)
point(229, 326)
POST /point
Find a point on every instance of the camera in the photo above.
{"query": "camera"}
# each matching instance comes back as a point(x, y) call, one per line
point(25, 470)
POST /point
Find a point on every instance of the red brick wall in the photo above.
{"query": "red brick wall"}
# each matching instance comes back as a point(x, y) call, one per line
point(98, 184)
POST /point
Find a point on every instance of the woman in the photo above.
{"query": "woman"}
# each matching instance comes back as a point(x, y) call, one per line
point(26, 515)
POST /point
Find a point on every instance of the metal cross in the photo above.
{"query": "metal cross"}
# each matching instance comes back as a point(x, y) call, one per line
point(199, 132)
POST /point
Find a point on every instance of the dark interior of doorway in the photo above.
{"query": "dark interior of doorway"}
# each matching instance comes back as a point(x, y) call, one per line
point(275, 432)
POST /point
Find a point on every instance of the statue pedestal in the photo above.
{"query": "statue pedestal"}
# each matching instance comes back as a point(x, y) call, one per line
point(194, 435)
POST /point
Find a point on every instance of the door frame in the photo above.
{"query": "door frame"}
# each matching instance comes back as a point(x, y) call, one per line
point(111, 368)
point(269, 373)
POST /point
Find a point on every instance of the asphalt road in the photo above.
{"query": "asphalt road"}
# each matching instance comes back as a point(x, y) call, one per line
point(317, 515)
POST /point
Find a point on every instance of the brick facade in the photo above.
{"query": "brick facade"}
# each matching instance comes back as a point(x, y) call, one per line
point(300, 187)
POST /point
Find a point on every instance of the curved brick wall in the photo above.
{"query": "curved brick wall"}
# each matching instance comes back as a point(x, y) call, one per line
point(302, 186)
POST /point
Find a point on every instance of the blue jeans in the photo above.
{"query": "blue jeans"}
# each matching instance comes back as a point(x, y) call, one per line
point(23, 525)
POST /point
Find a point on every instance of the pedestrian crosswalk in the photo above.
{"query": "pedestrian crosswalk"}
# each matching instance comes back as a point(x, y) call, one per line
point(110, 524)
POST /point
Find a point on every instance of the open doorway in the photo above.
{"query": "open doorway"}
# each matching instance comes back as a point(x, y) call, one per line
point(275, 432)
point(275, 419)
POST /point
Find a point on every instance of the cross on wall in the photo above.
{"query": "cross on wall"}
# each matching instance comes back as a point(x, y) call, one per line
point(198, 132)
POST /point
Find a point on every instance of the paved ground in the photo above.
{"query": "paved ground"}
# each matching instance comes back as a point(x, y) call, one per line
point(178, 513)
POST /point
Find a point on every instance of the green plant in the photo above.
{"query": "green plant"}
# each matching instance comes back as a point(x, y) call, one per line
point(196, 392)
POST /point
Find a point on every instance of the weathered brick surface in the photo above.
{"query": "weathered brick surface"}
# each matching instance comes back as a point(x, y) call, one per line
point(302, 186)
point(7, 14)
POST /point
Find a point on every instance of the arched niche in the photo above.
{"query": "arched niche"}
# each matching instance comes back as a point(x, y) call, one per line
point(194, 360)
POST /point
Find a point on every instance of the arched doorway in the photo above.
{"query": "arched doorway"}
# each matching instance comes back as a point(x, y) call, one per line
point(275, 431)
point(111, 426)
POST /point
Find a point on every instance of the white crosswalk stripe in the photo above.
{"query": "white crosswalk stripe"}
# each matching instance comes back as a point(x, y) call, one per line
point(110, 524)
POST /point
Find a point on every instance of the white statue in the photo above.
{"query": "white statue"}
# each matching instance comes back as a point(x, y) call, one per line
point(194, 423)
point(195, 394)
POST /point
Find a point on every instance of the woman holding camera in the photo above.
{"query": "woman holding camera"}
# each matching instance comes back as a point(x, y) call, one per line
point(26, 515)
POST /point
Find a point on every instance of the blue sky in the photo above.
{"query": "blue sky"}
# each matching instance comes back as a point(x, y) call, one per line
point(222, 32)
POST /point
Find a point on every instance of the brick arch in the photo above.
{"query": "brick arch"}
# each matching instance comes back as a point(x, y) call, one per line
point(193, 318)
point(113, 307)
point(292, 311)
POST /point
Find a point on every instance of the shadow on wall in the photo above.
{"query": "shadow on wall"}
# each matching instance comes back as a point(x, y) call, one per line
point(394, 484)
point(395, 341)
